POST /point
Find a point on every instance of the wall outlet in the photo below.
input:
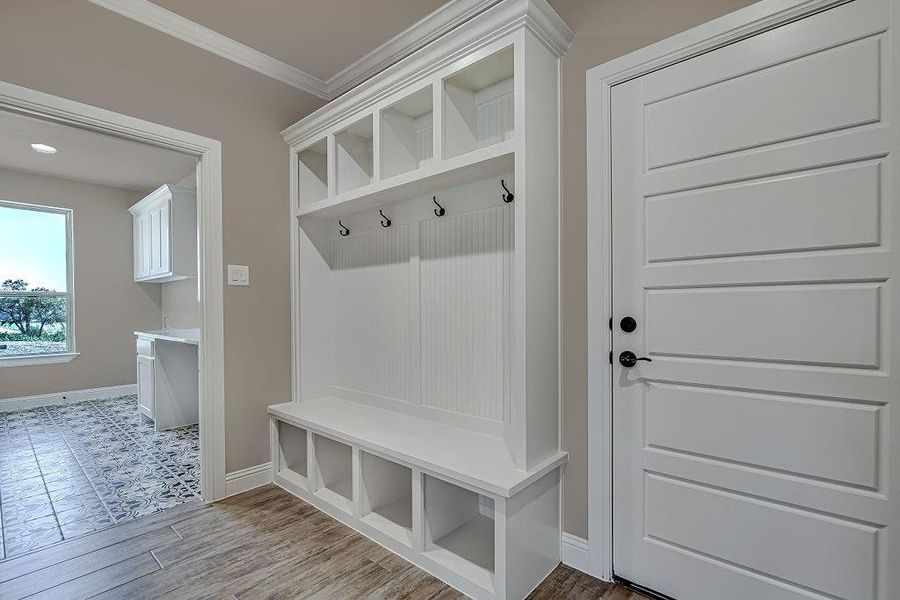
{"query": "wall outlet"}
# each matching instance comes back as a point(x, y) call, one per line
point(238, 275)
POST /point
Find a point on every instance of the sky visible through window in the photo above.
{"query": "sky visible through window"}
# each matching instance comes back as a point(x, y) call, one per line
point(33, 247)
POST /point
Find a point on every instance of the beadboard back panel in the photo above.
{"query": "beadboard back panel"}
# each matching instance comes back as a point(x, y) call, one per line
point(371, 338)
point(495, 113)
point(466, 278)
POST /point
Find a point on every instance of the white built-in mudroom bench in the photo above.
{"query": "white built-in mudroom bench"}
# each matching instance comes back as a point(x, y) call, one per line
point(424, 266)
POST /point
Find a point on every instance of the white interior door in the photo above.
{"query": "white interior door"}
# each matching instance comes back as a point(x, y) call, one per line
point(753, 242)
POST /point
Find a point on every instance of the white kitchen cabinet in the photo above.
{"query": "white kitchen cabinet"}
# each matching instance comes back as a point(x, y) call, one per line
point(145, 381)
point(168, 385)
point(165, 235)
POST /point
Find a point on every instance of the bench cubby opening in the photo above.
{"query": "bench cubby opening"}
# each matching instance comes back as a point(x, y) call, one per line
point(479, 107)
point(459, 530)
point(334, 472)
point(313, 173)
point(386, 497)
point(292, 456)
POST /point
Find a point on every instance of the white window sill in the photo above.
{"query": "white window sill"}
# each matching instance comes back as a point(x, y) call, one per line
point(37, 359)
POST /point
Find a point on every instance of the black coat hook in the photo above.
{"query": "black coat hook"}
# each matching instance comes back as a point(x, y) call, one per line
point(345, 231)
point(508, 196)
point(439, 211)
point(385, 222)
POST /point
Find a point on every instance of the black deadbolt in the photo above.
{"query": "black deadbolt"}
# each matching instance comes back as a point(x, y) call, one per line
point(628, 324)
point(629, 359)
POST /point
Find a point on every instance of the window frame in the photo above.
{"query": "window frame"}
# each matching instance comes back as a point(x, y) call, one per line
point(69, 294)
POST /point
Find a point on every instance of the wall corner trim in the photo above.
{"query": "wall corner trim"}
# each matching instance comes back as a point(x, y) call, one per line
point(247, 479)
point(26, 402)
point(574, 552)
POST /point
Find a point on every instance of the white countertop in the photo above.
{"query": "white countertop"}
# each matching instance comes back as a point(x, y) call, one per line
point(185, 336)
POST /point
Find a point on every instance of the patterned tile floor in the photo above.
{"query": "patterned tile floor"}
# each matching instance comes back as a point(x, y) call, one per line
point(69, 470)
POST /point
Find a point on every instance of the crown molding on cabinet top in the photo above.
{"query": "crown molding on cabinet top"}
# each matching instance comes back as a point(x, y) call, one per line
point(501, 18)
point(417, 36)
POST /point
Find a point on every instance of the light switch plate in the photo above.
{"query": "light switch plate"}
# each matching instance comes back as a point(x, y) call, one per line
point(238, 275)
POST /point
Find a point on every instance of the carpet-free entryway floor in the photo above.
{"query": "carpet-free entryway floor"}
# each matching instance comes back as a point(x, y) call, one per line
point(69, 470)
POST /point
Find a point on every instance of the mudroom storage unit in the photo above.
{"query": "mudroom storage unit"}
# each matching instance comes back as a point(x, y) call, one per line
point(425, 305)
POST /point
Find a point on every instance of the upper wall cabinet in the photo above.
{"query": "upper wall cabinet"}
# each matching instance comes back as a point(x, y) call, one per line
point(165, 235)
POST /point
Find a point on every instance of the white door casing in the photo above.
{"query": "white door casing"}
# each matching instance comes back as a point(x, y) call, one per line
point(752, 221)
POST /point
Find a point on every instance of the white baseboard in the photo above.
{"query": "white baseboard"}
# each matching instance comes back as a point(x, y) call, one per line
point(26, 402)
point(574, 552)
point(247, 479)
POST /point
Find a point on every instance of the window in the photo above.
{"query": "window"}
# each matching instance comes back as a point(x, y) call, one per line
point(35, 284)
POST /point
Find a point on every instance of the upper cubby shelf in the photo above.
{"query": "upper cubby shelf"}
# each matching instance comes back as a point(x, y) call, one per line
point(456, 126)
point(313, 172)
point(407, 134)
point(355, 150)
point(478, 104)
point(487, 162)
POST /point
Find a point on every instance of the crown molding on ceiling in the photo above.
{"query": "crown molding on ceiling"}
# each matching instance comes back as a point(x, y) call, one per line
point(420, 34)
point(170, 23)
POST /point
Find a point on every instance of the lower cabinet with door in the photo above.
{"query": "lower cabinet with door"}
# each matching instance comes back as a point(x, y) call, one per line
point(168, 378)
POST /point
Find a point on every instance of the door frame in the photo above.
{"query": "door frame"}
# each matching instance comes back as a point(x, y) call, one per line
point(22, 100)
point(725, 30)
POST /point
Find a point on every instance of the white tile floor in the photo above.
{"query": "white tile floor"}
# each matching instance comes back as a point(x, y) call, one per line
point(69, 470)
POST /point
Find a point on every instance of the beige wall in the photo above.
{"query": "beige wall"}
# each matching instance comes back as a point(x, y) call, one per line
point(605, 29)
point(109, 305)
point(180, 308)
point(92, 55)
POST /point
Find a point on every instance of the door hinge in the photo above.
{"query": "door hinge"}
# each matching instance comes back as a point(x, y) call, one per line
point(610, 323)
point(610, 357)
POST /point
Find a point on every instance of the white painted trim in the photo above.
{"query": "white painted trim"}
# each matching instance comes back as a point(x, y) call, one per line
point(574, 552)
point(209, 195)
point(37, 359)
point(741, 24)
point(26, 402)
point(170, 23)
point(243, 480)
point(420, 34)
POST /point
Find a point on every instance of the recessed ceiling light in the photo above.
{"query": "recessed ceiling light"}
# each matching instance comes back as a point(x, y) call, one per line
point(43, 149)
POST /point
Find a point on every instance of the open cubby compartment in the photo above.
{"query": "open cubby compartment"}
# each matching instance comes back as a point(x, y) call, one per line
point(459, 530)
point(407, 134)
point(334, 472)
point(312, 173)
point(291, 453)
point(478, 104)
point(386, 497)
point(354, 150)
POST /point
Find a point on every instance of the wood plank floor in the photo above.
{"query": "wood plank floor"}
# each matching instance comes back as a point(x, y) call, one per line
point(261, 544)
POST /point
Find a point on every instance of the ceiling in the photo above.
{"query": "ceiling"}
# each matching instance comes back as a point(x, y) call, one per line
point(88, 156)
point(320, 37)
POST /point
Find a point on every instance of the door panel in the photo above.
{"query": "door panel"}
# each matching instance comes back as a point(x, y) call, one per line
point(773, 323)
point(844, 449)
point(773, 105)
point(753, 220)
point(835, 207)
point(819, 552)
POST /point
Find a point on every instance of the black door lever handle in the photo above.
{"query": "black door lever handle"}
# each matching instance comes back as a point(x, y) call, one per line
point(629, 359)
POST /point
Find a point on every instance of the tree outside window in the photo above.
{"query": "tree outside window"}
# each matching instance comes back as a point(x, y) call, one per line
point(35, 280)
